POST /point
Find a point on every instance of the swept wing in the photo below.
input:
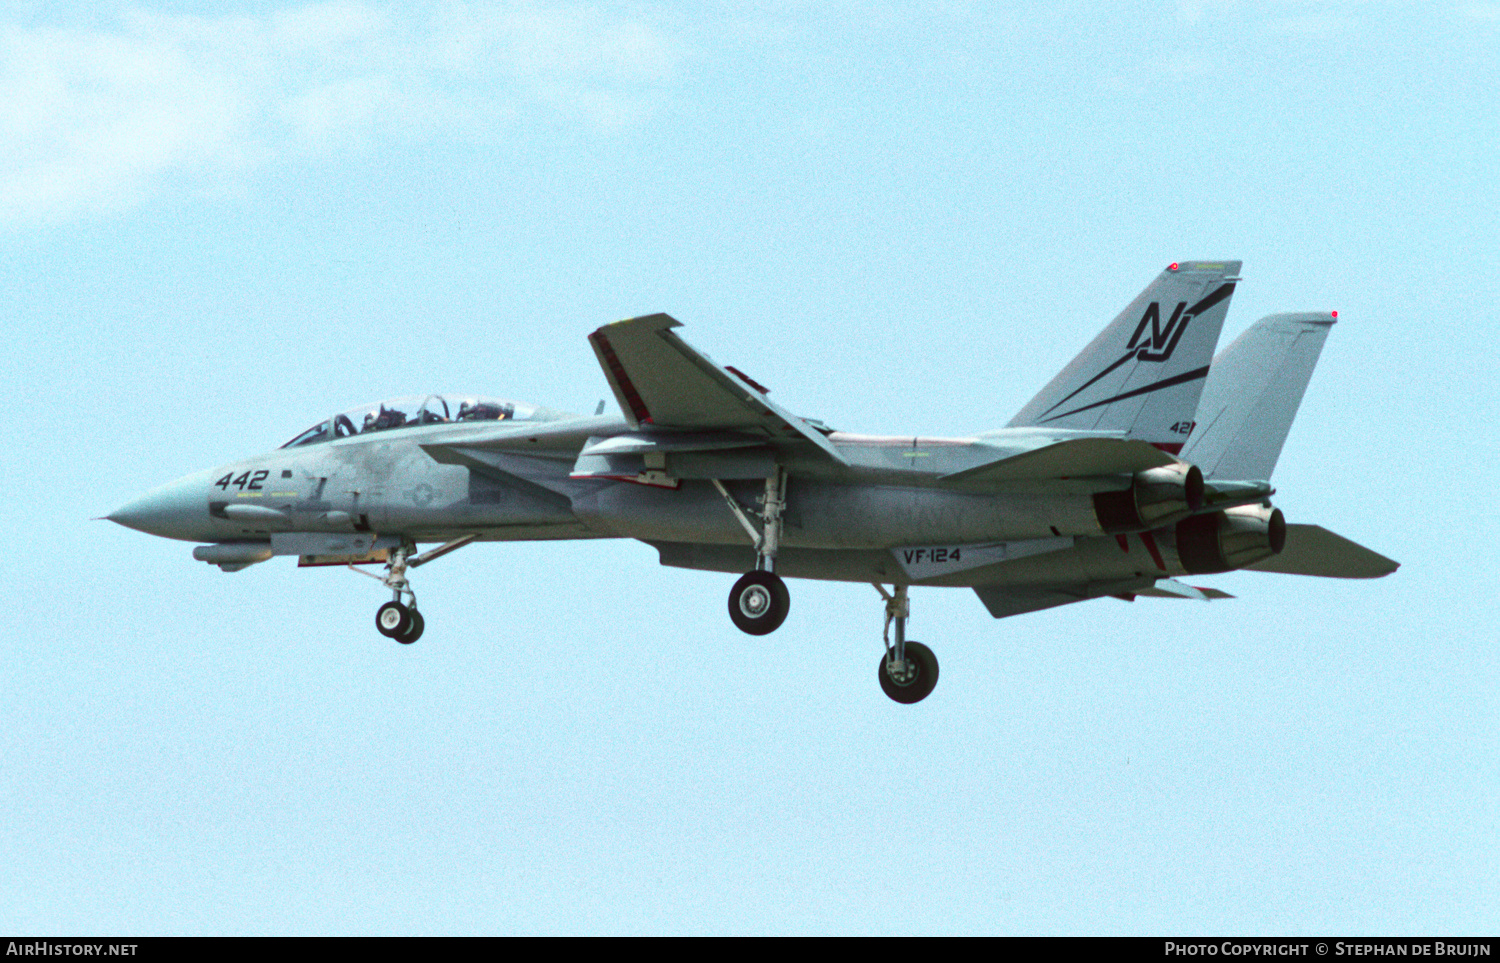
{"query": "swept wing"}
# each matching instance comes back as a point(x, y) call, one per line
point(662, 381)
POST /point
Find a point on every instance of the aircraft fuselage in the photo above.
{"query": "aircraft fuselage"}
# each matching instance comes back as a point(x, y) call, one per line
point(894, 523)
point(388, 483)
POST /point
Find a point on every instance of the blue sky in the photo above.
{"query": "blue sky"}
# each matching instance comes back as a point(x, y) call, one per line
point(224, 221)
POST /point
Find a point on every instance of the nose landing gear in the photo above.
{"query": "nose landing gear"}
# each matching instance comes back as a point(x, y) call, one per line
point(908, 669)
point(393, 619)
point(400, 620)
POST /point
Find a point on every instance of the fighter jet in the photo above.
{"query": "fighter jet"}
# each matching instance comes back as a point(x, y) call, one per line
point(1144, 460)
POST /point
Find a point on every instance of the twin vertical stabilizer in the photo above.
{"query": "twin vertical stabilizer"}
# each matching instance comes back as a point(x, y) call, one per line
point(1253, 394)
point(1144, 373)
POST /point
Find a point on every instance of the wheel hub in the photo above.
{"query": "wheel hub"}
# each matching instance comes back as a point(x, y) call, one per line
point(902, 673)
point(755, 601)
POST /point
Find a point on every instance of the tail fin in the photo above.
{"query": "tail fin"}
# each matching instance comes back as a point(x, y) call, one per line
point(1143, 374)
point(1253, 394)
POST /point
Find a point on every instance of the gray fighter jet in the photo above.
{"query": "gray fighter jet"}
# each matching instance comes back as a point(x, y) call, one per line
point(1145, 459)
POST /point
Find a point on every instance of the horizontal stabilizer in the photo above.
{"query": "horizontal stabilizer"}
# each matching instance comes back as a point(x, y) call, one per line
point(1313, 550)
point(1076, 458)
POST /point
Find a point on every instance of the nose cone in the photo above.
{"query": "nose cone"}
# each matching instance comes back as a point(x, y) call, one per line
point(175, 510)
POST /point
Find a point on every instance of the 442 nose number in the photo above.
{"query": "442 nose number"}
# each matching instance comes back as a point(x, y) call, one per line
point(249, 481)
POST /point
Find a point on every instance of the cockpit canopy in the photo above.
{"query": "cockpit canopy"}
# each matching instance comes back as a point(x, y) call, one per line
point(411, 412)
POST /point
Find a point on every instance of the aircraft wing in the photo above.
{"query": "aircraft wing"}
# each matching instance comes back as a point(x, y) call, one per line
point(662, 381)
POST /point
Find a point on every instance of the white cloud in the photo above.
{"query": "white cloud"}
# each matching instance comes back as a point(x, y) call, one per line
point(1481, 11)
point(99, 119)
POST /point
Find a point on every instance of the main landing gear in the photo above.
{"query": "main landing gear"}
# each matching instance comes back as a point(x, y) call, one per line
point(908, 669)
point(759, 601)
point(397, 619)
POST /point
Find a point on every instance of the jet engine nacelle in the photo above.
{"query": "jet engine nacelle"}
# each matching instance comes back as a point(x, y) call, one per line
point(1156, 497)
point(1231, 539)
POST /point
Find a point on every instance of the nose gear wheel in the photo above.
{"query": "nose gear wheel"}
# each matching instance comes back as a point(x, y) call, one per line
point(413, 631)
point(391, 619)
point(396, 621)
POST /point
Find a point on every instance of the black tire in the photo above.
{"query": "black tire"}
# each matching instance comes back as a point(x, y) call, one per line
point(392, 619)
point(758, 603)
point(414, 627)
point(920, 683)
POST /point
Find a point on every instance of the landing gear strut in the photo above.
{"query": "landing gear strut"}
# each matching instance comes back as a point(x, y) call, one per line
point(759, 601)
point(393, 619)
point(908, 670)
point(400, 620)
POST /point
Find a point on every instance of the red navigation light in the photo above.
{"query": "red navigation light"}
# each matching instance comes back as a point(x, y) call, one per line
point(1335, 315)
point(1172, 266)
